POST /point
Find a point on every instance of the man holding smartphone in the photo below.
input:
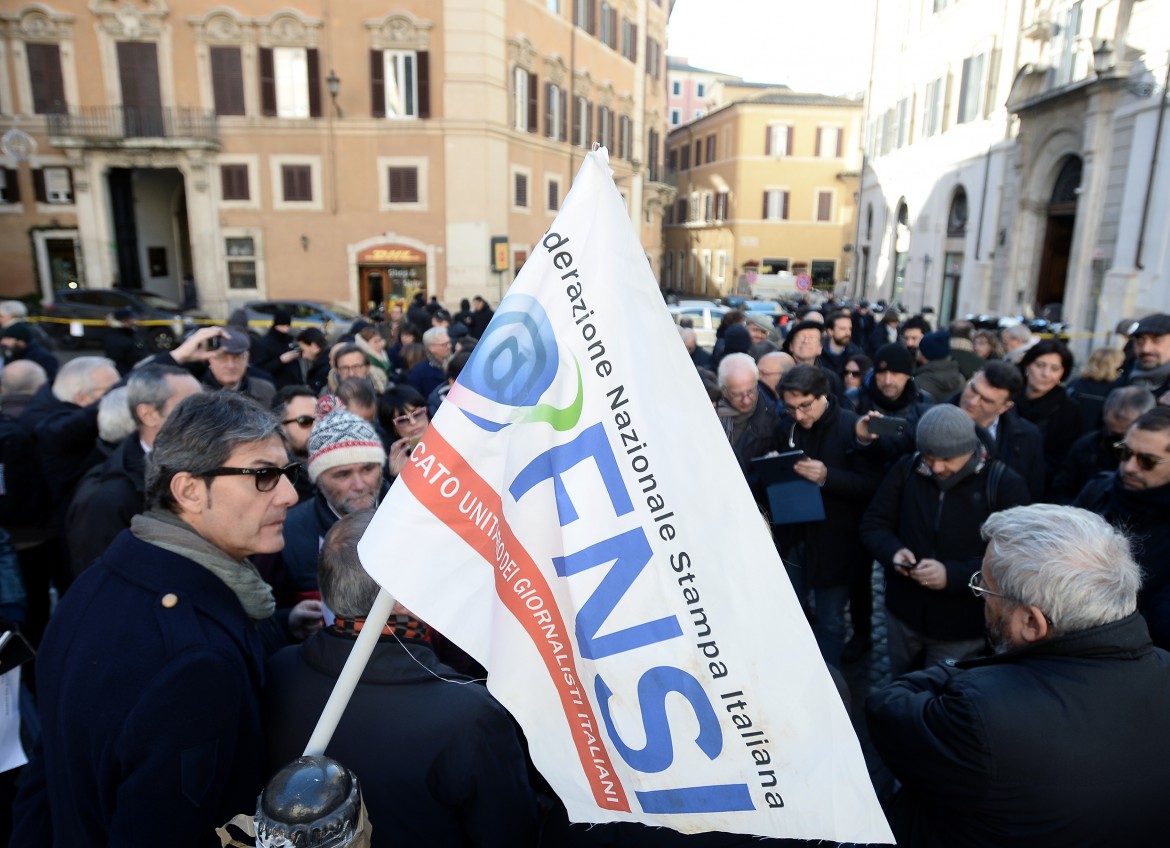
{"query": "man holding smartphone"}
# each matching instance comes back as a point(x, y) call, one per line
point(923, 526)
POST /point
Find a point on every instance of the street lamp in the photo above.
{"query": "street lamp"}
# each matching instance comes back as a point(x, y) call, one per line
point(333, 83)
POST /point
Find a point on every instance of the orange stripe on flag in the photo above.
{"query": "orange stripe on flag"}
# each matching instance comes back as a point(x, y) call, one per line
point(522, 588)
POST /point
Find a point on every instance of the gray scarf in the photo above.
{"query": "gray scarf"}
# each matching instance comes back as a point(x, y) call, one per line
point(167, 531)
point(734, 422)
point(1150, 379)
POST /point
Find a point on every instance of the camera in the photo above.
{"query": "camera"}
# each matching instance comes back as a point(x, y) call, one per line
point(214, 343)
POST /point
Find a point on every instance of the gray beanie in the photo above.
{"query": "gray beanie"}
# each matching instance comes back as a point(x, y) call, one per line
point(945, 432)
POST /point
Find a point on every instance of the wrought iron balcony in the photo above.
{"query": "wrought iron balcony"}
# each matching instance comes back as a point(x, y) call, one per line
point(130, 126)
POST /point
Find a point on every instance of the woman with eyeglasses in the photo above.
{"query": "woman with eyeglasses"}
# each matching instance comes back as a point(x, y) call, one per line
point(402, 411)
point(1045, 403)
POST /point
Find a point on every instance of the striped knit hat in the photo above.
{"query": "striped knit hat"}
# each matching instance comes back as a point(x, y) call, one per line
point(341, 438)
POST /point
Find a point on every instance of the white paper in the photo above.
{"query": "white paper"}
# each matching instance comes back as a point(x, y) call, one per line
point(11, 753)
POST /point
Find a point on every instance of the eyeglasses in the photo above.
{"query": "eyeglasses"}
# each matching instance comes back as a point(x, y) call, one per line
point(353, 369)
point(1145, 461)
point(265, 478)
point(734, 396)
point(804, 407)
point(419, 414)
point(302, 420)
point(853, 372)
point(975, 584)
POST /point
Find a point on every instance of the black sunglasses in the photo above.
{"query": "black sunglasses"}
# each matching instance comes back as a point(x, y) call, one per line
point(303, 420)
point(265, 478)
point(1145, 461)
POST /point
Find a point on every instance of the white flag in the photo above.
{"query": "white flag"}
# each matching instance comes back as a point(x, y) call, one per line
point(574, 518)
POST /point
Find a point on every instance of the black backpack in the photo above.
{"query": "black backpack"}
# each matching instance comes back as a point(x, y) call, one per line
point(994, 474)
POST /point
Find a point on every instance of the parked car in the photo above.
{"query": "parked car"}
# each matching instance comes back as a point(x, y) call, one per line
point(332, 319)
point(705, 316)
point(79, 317)
point(771, 308)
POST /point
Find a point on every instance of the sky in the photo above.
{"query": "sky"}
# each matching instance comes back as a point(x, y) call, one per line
point(811, 45)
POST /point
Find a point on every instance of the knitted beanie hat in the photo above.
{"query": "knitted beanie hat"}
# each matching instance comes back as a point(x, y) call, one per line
point(945, 432)
point(893, 357)
point(935, 345)
point(341, 438)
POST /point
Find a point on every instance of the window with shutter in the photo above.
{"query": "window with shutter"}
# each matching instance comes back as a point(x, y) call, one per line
point(824, 205)
point(296, 181)
point(291, 84)
point(233, 181)
point(684, 157)
point(778, 140)
point(377, 84)
point(227, 80)
point(554, 195)
point(44, 73)
point(267, 82)
point(58, 185)
point(533, 103)
point(403, 185)
point(9, 187)
point(399, 84)
point(520, 195)
point(711, 148)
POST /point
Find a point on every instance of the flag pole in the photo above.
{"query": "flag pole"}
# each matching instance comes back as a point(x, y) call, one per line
point(351, 673)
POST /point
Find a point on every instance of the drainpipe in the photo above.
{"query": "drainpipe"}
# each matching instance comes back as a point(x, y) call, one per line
point(1153, 170)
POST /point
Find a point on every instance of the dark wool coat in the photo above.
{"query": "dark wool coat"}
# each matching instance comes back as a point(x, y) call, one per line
point(105, 500)
point(148, 682)
point(833, 549)
point(440, 763)
point(1064, 742)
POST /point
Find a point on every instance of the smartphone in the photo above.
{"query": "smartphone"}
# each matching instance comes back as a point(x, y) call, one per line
point(887, 426)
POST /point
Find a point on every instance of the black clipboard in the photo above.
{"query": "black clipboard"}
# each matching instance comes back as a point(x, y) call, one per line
point(791, 498)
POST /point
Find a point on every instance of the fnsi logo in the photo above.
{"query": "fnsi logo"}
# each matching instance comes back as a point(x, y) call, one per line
point(514, 366)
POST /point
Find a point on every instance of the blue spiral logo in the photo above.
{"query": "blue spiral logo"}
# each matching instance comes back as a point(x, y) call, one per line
point(515, 363)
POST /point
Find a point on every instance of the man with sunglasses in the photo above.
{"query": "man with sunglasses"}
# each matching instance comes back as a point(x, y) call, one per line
point(295, 407)
point(1137, 497)
point(1062, 737)
point(149, 673)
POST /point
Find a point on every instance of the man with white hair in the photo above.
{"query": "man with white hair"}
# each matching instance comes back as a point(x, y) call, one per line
point(19, 381)
point(112, 493)
point(772, 366)
point(1063, 736)
point(431, 373)
point(65, 421)
point(700, 357)
point(747, 419)
point(1016, 341)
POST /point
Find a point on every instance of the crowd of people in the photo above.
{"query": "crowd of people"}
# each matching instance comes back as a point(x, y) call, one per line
point(195, 514)
point(924, 444)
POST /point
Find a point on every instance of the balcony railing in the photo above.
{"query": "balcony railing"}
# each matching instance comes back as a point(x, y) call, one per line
point(118, 124)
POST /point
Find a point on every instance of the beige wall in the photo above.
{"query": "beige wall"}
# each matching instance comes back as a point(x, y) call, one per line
point(742, 169)
point(468, 148)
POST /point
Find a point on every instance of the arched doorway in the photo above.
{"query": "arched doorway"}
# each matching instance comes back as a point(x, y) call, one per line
point(953, 257)
point(1058, 236)
point(389, 272)
point(901, 251)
